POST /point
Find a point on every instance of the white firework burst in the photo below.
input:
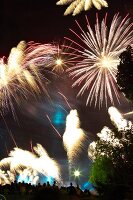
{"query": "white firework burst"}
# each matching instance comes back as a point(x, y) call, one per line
point(22, 73)
point(76, 6)
point(98, 53)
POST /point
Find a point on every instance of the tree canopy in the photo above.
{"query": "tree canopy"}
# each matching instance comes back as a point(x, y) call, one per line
point(125, 73)
point(112, 154)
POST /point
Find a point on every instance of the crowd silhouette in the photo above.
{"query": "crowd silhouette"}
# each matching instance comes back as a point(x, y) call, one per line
point(27, 191)
point(47, 191)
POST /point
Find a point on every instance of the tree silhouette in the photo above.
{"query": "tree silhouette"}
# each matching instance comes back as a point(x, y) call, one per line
point(125, 73)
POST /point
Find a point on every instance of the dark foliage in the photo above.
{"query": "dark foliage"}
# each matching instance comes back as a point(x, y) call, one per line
point(125, 73)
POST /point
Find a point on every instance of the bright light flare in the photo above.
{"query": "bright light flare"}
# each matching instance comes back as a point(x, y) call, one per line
point(59, 61)
point(59, 65)
point(76, 173)
point(106, 62)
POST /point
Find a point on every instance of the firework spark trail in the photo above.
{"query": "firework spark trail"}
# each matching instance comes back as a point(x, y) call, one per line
point(65, 98)
point(10, 132)
point(21, 74)
point(40, 162)
point(73, 138)
point(99, 56)
point(7, 151)
point(76, 6)
point(13, 138)
point(31, 145)
point(128, 113)
point(63, 108)
point(40, 55)
point(53, 127)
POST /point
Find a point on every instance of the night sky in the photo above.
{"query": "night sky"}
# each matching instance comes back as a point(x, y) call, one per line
point(42, 21)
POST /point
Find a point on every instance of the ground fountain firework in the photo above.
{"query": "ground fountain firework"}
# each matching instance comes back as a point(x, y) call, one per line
point(73, 139)
point(29, 166)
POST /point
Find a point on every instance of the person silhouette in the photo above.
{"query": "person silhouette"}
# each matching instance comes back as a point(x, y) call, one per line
point(71, 189)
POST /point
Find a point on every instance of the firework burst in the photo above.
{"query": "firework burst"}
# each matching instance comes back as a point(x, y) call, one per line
point(98, 53)
point(22, 74)
point(61, 60)
point(76, 6)
point(57, 63)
